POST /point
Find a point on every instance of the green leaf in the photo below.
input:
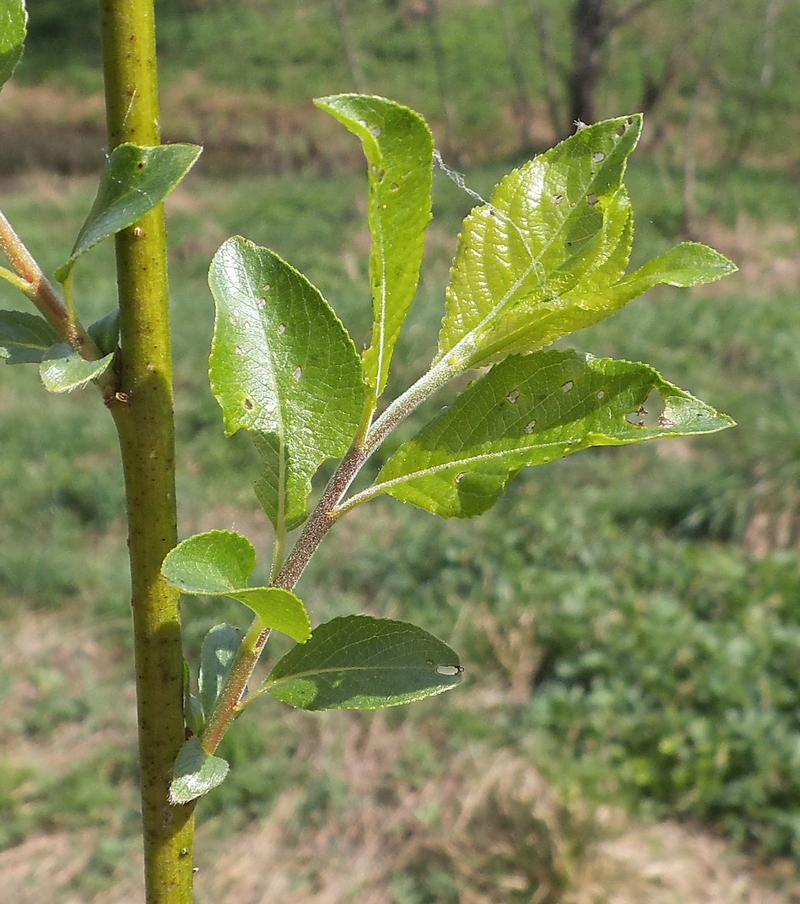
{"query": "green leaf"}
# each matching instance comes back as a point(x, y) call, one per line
point(547, 255)
point(399, 149)
point(24, 337)
point(529, 410)
point(135, 181)
point(284, 368)
point(13, 27)
point(217, 654)
point(192, 710)
point(105, 332)
point(195, 773)
point(359, 662)
point(62, 368)
point(219, 563)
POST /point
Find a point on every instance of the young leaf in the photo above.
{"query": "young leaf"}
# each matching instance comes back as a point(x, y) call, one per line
point(529, 410)
point(284, 368)
point(24, 337)
point(134, 181)
point(359, 662)
point(195, 773)
point(217, 653)
point(62, 368)
point(547, 255)
point(399, 149)
point(13, 27)
point(105, 332)
point(219, 563)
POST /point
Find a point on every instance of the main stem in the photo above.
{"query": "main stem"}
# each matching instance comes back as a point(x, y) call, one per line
point(143, 414)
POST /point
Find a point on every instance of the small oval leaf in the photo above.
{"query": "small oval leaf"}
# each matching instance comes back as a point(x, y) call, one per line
point(195, 773)
point(217, 654)
point(360, 662)
point(62, 368)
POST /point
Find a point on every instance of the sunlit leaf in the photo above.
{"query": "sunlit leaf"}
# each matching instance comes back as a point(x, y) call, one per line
point(547, 255)
point(62, 369)
point(399, 149)
point(135, 181)
point(13, 27)
point(219, 563)
point(24, 337)
point(529, 410)
point(284, 368)
point(359, 662)
point(195, 773)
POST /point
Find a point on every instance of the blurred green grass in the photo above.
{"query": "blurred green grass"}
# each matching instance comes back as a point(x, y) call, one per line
point(611, 601)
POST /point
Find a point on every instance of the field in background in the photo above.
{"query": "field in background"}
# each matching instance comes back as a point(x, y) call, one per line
point(627, 617)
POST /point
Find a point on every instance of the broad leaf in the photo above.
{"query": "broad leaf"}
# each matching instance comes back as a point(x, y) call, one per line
point(547, 255)
point(63, 369)
point(217, 654)
point(359, 662)
point(195, 773)
point(13, 26)
point(24, 337)
point(284, 368)
point(529, 410)
point(135, 181)
point(399, 149)
point(219, 563)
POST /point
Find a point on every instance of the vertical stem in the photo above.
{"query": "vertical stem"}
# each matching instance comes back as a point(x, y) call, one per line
point(145, 424)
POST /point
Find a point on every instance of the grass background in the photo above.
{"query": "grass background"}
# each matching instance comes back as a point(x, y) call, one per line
point(627, 617)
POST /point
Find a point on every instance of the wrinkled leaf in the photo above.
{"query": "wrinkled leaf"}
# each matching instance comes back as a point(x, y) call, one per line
point(24, 337)
point(13, 27)
point(217, 654)
point(529, 410)
point(195, 773)
point(284, 368)
point(62, 368)
point(219, 563)
point(135, 181)
point(547, 255)
point(359, 662)
point(399, 149)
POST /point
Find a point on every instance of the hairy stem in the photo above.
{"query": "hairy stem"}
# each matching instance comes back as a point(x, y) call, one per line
point(143, 413)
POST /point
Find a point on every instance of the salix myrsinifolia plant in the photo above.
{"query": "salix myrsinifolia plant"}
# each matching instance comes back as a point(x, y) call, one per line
point(547, 255)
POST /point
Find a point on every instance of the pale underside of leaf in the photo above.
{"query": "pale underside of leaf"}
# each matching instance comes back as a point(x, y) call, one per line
point(195, 773)
point(530, 410)
point(283, 368)
point(62, 369)
point(399, 150)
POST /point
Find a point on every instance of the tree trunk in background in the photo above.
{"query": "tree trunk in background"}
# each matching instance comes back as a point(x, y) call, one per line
point(451, 146)
point(523, 106)
point(590, 28)
point(552, 70)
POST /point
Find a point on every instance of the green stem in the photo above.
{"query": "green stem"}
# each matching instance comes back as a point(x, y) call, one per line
point(143, 414)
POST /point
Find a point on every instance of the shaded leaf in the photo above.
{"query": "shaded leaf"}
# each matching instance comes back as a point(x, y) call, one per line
point(105, 332)
point(195, 773)
point(134, 182)
point(24, 337)
point(529, 410)
point(359, 662)
point(399, 149)
point(284, 368)
point(547, 255)
point(13, 27)
point(217, 654)
point(219, 563)
point(63, 369)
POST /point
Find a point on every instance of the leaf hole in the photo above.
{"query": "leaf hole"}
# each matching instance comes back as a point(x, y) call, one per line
point(450, 670)
point(598, 157)
point(281, 329)
point(248, 404)
point(600, 394)
point(650, 413)
point(557, 199)
point(568, 386)
point(238, 351)
point(297, 373)
point(460, 476)
point(266, 287)
point(513, 396)
point(592, 199)
point(375, 131)
point(621, 131)
point(530, 427)
point(395, 186)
